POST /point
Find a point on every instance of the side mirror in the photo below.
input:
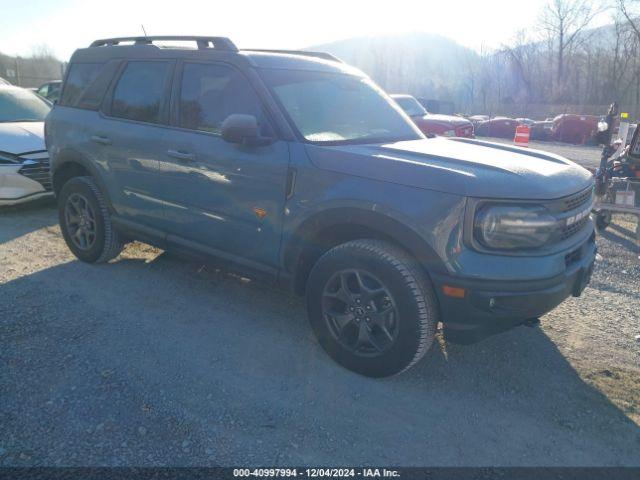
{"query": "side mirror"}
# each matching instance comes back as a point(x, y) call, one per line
point(243, 129)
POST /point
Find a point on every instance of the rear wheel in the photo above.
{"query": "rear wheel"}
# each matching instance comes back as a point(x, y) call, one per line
point(86, 223)
point(372, 307)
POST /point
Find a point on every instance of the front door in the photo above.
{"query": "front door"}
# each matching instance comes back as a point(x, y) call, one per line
point(222, 196)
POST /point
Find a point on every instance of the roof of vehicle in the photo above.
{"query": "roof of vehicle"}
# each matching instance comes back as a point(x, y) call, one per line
point(211, 48)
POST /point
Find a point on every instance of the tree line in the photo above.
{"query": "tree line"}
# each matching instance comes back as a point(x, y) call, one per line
point(562, 63)
point(32, 71)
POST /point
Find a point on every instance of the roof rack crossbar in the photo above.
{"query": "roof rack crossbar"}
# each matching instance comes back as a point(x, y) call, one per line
point(305, 53)
point(219, 43)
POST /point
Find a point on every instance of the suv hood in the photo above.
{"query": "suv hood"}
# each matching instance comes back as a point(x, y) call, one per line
point(21, 137)
point(466, 167)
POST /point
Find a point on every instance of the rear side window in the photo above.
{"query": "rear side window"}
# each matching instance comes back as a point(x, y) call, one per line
point(79, 77)
point(140, 92)
point(210, 93)
point(93, 94)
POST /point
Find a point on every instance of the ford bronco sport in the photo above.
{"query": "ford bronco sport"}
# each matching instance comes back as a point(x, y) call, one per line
point(297, 166)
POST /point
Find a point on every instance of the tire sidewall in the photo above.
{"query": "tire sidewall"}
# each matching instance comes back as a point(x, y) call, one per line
point(402, 353)
point(80, 186)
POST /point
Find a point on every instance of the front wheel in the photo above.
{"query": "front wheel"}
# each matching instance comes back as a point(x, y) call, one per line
point(372, 307)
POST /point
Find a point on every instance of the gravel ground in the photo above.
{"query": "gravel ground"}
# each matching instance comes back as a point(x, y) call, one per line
point(152, 360)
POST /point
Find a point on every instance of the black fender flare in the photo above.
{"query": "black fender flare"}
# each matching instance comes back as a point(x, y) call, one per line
point(69, 156)
point(307, 237)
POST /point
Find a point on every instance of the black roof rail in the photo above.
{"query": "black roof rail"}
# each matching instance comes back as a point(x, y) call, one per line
point(305, 53)
point(219, 43)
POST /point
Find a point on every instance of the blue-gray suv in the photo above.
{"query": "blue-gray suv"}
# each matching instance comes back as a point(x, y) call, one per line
point(295, 166)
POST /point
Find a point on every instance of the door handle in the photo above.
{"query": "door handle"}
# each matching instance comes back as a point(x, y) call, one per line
point(101, 140)
point(180, 155)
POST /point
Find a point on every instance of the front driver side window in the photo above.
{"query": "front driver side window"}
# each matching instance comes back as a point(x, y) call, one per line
point(210, 93)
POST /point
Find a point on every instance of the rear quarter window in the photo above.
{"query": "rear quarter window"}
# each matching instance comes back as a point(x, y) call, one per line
point(93, 94)
point(79, 77)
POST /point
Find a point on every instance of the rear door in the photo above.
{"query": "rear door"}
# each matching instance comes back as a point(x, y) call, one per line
point(225, 197)
point(132, 135)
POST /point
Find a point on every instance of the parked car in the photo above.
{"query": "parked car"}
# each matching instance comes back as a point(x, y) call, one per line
point(501, 127)
point(50, 90)
point(478, 118)
point(542, 131)
point(433, 124)
point(525, 121)
point(296, 167)
point(24, 161)
point(576, 129)
point(434, 106)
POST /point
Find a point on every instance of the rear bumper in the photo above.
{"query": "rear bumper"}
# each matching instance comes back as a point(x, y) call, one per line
point(490, 307)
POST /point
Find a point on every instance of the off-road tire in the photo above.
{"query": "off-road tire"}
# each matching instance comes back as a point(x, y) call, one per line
point(414, 297)
point(108, 243)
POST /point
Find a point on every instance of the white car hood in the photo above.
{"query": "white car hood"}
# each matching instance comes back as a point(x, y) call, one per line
point(21, 137)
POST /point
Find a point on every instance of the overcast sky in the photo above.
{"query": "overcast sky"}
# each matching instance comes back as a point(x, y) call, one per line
point(65, 25)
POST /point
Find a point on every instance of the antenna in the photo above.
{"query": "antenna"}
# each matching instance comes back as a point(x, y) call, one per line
point(143, 30)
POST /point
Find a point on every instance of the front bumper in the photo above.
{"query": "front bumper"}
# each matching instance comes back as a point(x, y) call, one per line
point(490, 307)
point(16, 187)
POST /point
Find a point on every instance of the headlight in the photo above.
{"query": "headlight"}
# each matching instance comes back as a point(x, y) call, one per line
point(509, 227)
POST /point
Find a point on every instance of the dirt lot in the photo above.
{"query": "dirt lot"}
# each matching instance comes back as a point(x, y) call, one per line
point(154, 361)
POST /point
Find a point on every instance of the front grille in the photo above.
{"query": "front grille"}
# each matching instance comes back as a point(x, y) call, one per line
point(574, 228)
point(38, 170)
point(576, 201)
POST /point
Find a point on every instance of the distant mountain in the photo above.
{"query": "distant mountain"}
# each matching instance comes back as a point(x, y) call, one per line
point(421, 64)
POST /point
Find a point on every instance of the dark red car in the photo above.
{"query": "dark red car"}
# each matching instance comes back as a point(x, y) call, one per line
point(501, 127)
point(434, 124)
point(577, 129)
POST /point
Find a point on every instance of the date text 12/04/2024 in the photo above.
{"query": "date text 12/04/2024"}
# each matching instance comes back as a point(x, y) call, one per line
point(317, 472)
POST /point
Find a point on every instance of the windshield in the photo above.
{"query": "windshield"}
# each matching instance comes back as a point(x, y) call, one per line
point(411, 106)
point(18, 105)
point(335, 108)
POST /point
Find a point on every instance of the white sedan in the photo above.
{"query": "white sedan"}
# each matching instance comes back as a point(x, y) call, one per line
point(24, 162)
